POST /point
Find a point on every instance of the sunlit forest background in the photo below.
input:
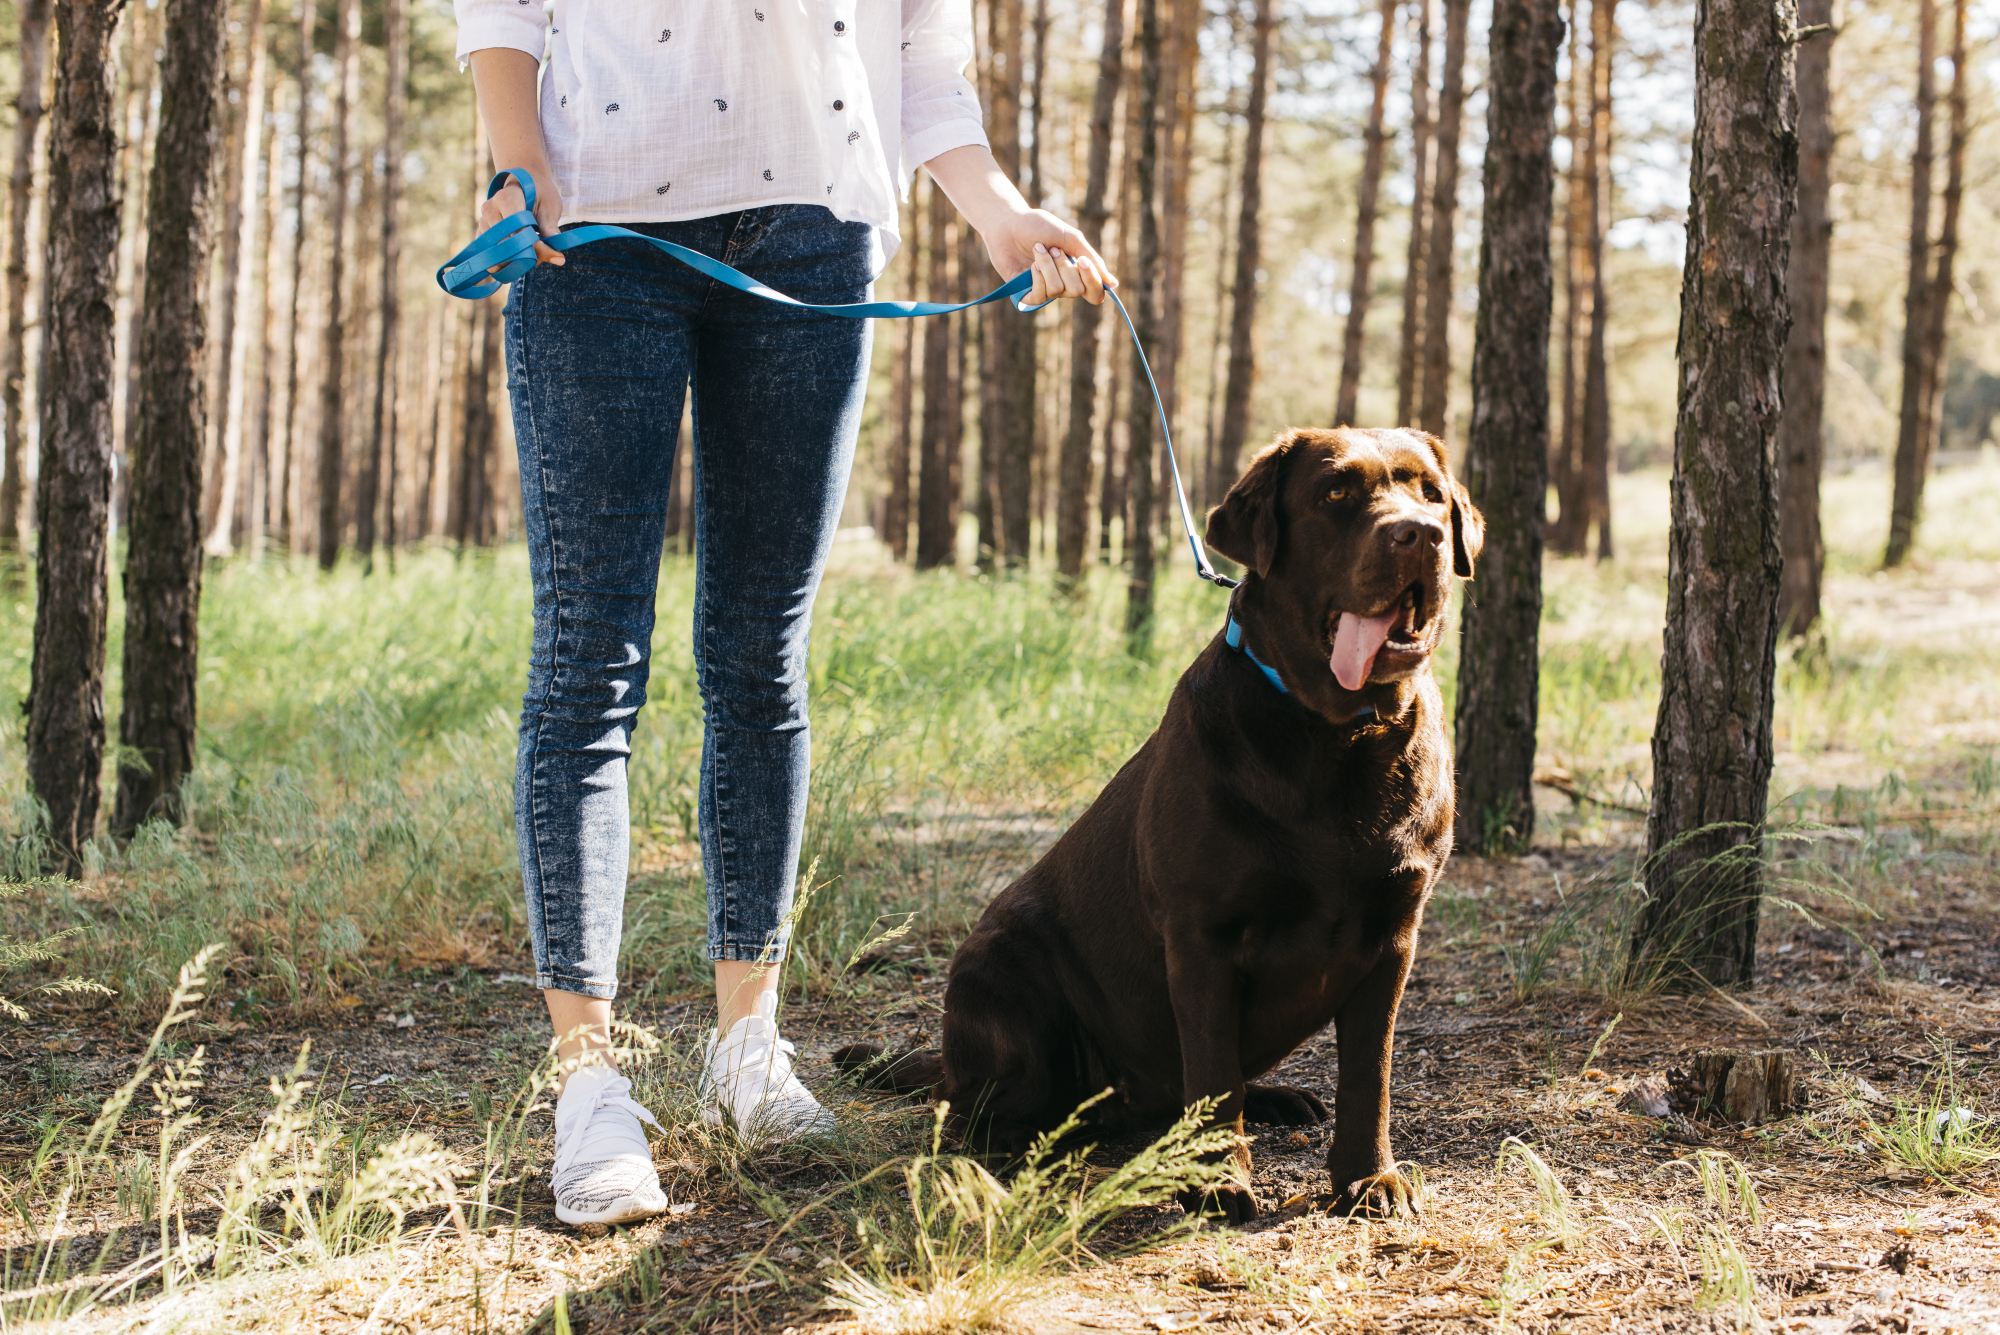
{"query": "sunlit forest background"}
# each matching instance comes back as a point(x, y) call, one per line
point(447, 458)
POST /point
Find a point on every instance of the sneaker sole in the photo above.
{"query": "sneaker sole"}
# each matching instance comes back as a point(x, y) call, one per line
point(621, 1213)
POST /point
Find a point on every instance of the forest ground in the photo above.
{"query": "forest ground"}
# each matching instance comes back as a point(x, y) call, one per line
point(1549, 1201)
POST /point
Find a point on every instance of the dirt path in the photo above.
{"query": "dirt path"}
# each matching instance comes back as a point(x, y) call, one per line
point(1846, 1241)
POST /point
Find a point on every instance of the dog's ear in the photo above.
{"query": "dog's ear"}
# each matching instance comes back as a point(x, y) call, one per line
point(1468, 532)
point(1244, 527)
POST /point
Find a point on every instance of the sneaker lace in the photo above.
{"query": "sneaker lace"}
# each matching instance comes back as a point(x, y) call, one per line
point(577, 1123)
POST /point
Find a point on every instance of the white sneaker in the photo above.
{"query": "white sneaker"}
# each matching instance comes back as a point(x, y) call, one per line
point(603, 1171)
point(748, 1078)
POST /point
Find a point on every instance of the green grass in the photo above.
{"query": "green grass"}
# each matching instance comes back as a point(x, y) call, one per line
point(351, 808)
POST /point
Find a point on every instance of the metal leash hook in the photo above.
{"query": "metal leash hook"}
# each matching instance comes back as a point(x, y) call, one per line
point(506, 250)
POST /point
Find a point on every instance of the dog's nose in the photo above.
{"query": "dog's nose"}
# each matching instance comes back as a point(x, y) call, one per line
point(1409, 532)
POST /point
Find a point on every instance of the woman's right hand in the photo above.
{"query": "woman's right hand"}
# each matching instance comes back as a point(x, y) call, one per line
point(548, 214)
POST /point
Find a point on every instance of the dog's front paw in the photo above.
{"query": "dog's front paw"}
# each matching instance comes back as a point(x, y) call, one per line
point(1378, 1195)
point(1282, 1105)
point(1226, 1202)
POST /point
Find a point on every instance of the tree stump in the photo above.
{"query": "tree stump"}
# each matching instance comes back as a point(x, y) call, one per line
point(1746, 1087)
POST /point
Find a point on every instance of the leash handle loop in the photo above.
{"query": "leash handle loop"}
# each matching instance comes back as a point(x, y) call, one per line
point(506, 250)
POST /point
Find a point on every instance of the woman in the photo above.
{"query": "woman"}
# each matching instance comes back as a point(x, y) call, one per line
point(771, 134)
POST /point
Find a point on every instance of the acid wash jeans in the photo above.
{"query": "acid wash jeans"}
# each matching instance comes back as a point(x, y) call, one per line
point(599, 355)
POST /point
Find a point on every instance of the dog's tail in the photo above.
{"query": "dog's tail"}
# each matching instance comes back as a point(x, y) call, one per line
point(907, 1073)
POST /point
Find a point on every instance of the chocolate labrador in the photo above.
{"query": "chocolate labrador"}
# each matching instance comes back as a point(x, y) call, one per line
point(1260, 867)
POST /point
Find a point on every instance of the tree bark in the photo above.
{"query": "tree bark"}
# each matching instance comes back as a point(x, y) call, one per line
point(333, 348)
point(257, 511)
point(1142, 287)
point(1243, 300)
point(1910, 460)
point(475, 465)
point(135, 168)
point(65, 705)
point(156, 726)
point(1073, 469)
point(1409, 359)
point(936, 542)
point(1180, 60)
point(238, 269)
point(396, 18)
point(896, 507)
point(1596, 457)
point(1215, 484)
point(1712, 738)
point(1507, 455)
point(1942, 283)
point(1443, 224)
point(1359, 289)
point(1801, 446)
point(1566, 534)
point(287, 462)
point(32, 63)
point(1008, 339)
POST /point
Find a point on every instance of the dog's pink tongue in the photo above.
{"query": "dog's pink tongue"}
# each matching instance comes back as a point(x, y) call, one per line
point(1356, 640)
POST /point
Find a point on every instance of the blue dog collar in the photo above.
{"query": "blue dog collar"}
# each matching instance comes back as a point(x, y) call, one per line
point(1235, 641)
point(1234, 638)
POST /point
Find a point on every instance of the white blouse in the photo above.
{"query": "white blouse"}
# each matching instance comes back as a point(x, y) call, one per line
point(662, 110)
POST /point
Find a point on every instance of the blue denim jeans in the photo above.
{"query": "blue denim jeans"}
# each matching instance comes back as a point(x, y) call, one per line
point(599, 355)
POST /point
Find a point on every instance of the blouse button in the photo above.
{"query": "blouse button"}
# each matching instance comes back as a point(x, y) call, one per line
point(839, 105)
point(838, 26)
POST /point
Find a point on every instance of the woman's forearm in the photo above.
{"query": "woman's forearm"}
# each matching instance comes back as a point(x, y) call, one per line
point(506, 81)
point(977, 187)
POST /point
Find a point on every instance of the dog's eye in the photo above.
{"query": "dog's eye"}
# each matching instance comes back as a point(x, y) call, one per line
point(1338, 493)
point(1432, 494)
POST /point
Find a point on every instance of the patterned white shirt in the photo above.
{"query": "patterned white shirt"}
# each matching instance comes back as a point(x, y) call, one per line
point(663, 110)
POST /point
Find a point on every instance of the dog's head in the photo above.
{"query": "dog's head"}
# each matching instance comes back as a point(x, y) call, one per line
point(1350, 540)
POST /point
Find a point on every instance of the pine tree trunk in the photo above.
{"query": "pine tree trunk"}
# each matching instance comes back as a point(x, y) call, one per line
point(257, 513)
point(233, 302)
point(32, 49)
point(437, 380)
point(65, 705)
point(1008, 339)
point(1141, 287)
point(1410, 360)
point(1215, 485)
point(935, 539)
point(135, 169)
point(156, 726)
point(1359, 288)
point(1712, 738)
point(333, 348)
point(1566, 534)
point(1179, 67)
point(1596, 458)
point(1443, 224)
point(1801, 446)
point(1508, 451)
point(1243, 301)
point(288, 461)
point(1942, 283)
point(896, 507)
point(1910, 460)
point(475, 478)
point(396, 18)
point(1073, 470)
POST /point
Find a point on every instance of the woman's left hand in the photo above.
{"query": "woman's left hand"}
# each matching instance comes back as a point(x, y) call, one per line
point(1065, 265)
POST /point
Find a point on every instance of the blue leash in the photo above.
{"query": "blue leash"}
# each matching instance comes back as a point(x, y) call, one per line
point(506, 250)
